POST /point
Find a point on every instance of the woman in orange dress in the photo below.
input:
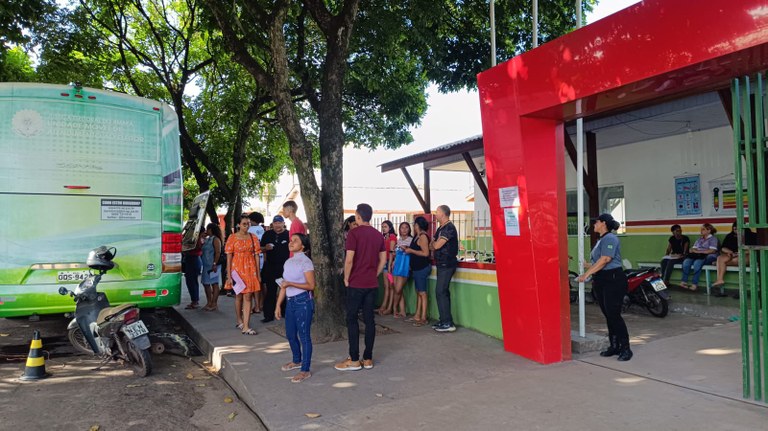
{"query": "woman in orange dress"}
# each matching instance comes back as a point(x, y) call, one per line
point(242, 248)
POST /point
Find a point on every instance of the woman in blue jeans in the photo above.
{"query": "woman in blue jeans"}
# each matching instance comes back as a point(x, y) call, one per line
point(297, 286)
point(704, 251)
point(421, 267)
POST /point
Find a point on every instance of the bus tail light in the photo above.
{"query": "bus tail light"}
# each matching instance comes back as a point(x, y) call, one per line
point(171, 252)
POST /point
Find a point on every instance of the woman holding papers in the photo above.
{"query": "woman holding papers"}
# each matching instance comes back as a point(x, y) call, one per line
point(243, 268)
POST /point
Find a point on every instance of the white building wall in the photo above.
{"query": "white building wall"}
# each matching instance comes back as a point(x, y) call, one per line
point(647, 170)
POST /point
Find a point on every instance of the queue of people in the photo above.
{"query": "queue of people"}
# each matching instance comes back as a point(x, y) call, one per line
point(275, 262)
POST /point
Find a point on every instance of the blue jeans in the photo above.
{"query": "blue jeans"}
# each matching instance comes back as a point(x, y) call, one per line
point(298, 320)
point(696, 264)
point(192, 267)
point(443, 293)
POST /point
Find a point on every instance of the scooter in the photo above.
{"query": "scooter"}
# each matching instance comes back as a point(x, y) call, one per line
point(112, 333)
point(647, 289)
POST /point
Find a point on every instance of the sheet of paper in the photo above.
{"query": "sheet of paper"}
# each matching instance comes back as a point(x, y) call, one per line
point(511, 222)
point(509, 197)
point(239, 284)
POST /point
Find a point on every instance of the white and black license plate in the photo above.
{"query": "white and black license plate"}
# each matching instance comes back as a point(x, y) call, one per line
point(135, 329)
point(71, 276)
point(658, 284)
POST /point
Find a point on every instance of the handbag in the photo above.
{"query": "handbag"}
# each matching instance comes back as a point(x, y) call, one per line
point(402, 264)
point(222, 255)
point(696, 256)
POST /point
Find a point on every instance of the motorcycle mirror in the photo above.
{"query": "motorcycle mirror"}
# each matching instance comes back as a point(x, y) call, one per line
point(63, 290)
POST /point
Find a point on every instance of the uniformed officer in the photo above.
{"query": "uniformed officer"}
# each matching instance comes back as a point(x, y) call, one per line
point(609, 282)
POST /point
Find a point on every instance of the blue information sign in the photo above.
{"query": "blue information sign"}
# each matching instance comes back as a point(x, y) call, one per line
point(688, 195)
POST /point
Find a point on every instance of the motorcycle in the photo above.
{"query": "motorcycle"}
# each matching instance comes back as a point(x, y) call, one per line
point(112, 333)
point(647, 289)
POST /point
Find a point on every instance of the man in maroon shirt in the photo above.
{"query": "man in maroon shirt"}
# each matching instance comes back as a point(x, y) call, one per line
point(366, 256)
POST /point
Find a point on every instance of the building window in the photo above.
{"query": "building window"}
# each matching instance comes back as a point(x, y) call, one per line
point(611, 201)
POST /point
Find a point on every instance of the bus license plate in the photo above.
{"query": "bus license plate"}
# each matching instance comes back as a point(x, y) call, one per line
point(658, 284)
point(71, 276)
point(135, 329)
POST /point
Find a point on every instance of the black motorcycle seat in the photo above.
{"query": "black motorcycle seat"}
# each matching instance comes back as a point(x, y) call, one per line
point(634, 272)
point(110, 312)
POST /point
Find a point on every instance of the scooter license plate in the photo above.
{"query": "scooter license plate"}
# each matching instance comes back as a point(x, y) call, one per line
point(135, 329)
point(658, 284)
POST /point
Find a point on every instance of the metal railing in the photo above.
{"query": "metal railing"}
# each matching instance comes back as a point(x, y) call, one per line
point(474, 228)
point(749, 136)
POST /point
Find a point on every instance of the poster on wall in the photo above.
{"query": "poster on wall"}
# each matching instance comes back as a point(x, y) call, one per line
point(511, 221)
point(724, 197)
point(509, 197)
point(688, 195)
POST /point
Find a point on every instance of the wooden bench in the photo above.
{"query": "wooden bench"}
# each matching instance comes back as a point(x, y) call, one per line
point(705, 268)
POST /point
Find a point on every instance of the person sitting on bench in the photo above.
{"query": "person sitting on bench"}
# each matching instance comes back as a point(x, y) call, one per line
point(677, 249)
point(704, 252)
point(729, 255)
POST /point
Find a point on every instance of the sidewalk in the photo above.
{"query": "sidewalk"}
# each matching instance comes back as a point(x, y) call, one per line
point(466, 381)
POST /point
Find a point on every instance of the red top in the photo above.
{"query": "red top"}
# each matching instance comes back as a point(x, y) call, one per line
point(198, 250)
point(367, 243)
point(391, 239)
point(297, 226)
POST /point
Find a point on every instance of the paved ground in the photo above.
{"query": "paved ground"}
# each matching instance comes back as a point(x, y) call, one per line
point(645, 328)
point(178, 395)
point(465, 381)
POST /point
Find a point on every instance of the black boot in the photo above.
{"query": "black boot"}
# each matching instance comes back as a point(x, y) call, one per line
point(613, 349)
point(625, 353)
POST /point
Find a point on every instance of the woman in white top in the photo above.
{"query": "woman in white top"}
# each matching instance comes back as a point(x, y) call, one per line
point(297, 286)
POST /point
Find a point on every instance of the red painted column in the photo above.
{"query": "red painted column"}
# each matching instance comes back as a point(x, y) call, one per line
point(535, 312)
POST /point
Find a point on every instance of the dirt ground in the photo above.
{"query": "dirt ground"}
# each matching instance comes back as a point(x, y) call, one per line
point(179, 394)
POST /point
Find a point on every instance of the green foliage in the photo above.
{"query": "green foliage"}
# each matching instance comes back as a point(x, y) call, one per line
point(16, 66)
point(215, 117)
point(453, 37)
point(21, 18)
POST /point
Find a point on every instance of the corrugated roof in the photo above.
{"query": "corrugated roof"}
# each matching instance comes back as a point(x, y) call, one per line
point(454, 148)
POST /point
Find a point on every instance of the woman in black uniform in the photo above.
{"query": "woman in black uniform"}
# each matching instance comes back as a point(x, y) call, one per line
point(609, 282)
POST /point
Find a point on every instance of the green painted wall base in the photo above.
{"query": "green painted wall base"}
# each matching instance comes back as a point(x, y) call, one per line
point(473, 306)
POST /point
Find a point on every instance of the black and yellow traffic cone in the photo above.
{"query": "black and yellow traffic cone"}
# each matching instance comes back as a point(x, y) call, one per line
point(35, 368)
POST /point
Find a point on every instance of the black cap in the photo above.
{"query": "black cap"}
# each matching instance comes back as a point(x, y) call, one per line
point(604, 217)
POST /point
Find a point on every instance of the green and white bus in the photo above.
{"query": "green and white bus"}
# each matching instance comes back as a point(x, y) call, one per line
point(80, 168)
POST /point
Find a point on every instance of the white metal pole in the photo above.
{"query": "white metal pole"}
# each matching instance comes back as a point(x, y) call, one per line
point(580, 196)
point(535, 35)
point(493, 35)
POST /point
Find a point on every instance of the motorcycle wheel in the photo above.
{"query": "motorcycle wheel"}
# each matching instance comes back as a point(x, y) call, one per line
point(78, 341)
point(656, 305)
point(140, 360)
point(573, 286)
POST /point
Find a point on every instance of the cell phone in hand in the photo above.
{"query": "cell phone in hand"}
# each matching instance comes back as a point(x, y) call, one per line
point(279, 282)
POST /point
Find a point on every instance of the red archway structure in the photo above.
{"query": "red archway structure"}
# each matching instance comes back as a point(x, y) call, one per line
point(653, 51)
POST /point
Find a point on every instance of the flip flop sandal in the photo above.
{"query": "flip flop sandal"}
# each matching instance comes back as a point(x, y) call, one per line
point(191, 307)
point(298, 378)
point(290, 366)
point(250, 332)
point(239, 326)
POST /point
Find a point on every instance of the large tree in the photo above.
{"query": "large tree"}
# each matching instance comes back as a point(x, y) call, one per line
point(362, 69)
